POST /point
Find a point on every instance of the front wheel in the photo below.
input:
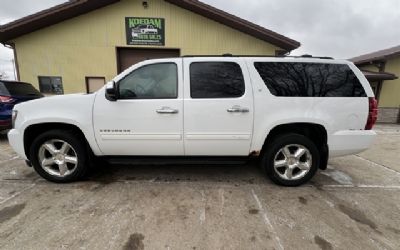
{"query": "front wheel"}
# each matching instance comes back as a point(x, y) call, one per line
point(59, 156)
point(291, 160)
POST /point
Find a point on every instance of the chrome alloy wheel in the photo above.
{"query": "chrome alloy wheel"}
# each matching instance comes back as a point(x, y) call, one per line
point(58, 158)
point(292, 162)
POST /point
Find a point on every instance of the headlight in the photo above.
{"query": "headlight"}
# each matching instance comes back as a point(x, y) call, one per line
point(14, 117)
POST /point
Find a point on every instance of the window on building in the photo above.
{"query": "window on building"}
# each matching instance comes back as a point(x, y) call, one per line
point(94, 83)
point(216, 80)
point(51, 85)
point(310, 79)
point(156, 81)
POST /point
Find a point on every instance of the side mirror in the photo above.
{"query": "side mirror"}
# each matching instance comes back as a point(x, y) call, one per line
point(112, 91)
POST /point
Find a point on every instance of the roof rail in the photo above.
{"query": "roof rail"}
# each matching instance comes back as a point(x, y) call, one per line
point(276, 56)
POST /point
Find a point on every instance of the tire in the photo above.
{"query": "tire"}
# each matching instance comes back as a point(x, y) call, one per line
point(63, 162)
point(284, 167)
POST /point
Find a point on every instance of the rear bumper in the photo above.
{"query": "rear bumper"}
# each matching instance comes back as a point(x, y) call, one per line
point(349, 142)
point(16, 140)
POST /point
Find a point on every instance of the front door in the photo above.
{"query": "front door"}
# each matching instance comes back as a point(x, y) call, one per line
point(218, 107)
point(148, 117)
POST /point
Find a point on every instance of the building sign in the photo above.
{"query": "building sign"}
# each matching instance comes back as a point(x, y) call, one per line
point(145, 31)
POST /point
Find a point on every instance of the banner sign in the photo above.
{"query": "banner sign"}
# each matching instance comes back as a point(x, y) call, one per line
point(145, 31)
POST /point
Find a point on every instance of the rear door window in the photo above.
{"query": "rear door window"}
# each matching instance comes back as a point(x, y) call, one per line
point(19, 89)
point(216, 80)
point(310, 79)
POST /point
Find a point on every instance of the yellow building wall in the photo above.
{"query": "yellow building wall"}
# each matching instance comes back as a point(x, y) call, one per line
point(390, 94)
point(372, 68)
point(86, 45)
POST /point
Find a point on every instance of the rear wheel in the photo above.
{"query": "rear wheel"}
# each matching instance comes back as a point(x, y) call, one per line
point(291, 160)
point(59, 156)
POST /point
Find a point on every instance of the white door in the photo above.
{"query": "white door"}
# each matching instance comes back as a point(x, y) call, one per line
point(218, 104)
point(147, 119)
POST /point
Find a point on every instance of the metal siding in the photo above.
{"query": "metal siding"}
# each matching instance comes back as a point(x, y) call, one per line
point(86, 45)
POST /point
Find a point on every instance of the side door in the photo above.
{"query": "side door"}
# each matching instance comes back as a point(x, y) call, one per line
point(147, 118)
point(219, 111)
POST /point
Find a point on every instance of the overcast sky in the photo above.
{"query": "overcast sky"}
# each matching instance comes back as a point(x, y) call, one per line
point(338, 28)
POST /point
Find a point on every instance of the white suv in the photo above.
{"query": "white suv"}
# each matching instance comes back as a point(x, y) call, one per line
point(292, 112)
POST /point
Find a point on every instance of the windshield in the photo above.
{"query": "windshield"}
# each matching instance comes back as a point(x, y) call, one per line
point(18, 89)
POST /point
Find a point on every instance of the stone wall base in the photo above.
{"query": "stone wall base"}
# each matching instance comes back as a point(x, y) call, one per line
point(389, 115)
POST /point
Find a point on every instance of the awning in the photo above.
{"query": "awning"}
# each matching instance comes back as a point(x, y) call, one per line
point(378, 76)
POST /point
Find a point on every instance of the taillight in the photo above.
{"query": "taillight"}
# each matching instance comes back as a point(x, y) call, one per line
point(372, 113)
point(6, 99)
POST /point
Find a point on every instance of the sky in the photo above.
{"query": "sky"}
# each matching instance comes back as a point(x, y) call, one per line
point(337, 28)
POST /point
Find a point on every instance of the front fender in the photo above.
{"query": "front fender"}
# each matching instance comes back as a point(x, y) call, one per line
point(76, 110)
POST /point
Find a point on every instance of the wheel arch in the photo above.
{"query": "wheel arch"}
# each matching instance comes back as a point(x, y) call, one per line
point(33, 130)
point(314, 131)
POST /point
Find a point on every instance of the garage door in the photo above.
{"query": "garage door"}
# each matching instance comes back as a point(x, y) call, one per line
point(128, 57)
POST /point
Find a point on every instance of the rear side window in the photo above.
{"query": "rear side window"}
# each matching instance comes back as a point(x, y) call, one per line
point(216, 80)
point(18, 89)
point(310, 79)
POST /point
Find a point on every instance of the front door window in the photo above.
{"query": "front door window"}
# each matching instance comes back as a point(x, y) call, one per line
point(155, 81)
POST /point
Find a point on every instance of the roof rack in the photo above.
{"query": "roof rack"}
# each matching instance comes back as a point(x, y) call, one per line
point(277, 56)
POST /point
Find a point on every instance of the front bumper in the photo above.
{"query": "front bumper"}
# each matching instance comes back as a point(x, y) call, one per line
point(16, 140)
point(348, 142)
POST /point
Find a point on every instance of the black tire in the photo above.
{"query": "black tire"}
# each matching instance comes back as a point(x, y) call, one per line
point(279, 142)
point(74, 141)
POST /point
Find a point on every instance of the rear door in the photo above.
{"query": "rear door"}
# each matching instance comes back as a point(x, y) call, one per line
point(218, 107)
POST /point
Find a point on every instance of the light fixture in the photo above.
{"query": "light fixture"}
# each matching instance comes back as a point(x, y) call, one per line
point(145, 4)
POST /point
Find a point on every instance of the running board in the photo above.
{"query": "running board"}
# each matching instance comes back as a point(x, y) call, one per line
point(161, 160)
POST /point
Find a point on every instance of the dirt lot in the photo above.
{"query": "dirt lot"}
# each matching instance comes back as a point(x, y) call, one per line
point(355, 204)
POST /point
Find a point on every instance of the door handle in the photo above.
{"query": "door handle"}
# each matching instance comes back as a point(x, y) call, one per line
point(167, 110)
point(238, 109)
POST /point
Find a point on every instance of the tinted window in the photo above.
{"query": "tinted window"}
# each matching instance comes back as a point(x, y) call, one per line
point(18, 89)
point(310, 79)
point(216, 80)
point(156, 81)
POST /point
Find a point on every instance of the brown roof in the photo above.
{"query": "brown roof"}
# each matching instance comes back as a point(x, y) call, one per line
point(75, 8)
point(49, 17)
point(381, 55)
point(378, 76)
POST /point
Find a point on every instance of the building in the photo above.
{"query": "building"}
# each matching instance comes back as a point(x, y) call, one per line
point(382, 69)
point(79, 45)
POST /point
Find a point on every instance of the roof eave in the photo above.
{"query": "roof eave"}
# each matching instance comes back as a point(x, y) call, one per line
point(378, 56)
point(48, 17)
point(75, 8)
